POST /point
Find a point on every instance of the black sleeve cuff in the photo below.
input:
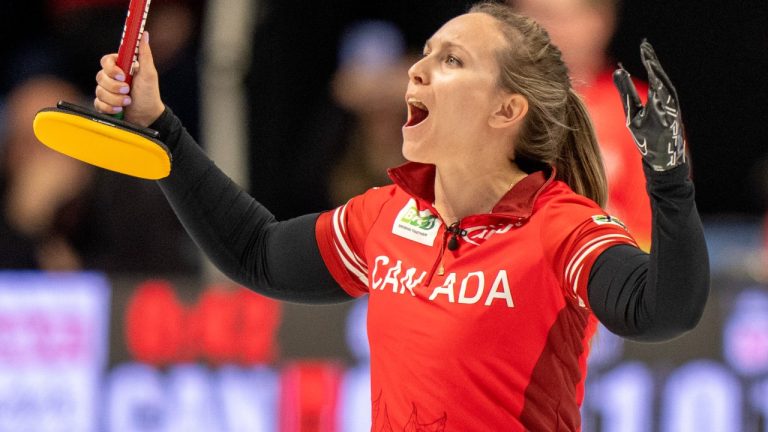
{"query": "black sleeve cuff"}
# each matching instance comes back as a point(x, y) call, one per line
point(169, 127)
point(676, 175)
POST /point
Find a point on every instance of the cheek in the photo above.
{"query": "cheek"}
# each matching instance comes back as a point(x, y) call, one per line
point(468, 108)
point(456, 106)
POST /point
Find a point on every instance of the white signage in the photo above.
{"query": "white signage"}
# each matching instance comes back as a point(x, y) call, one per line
point(53, 350)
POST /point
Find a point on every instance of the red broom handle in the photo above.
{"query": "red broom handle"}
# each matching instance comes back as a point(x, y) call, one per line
point(132, 31)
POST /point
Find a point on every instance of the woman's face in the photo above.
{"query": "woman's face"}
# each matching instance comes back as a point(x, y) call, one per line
point(453, 91)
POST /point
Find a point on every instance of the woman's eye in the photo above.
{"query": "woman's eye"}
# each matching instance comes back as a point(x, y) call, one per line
point(453, 61)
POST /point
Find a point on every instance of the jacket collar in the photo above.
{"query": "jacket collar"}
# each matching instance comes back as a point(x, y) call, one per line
point(418, 180)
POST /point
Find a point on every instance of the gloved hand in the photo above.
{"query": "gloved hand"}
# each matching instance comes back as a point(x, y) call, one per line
point(657, 127)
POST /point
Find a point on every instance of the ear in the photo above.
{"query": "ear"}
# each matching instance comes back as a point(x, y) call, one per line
point(510, 112)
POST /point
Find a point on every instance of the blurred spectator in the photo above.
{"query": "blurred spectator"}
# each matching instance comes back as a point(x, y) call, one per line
point(370, 83)
point(296, 130)
point(40, 190)
point(583, 29)
point(59, 213)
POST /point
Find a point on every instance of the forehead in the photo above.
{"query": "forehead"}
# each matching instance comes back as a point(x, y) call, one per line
point(477, 32)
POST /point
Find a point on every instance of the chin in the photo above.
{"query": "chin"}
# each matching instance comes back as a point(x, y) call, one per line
point(415, 152)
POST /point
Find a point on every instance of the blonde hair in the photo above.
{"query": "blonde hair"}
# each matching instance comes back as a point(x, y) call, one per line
point(557, 130)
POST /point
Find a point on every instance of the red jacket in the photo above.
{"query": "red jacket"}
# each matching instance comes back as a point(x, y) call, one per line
point(490, 336)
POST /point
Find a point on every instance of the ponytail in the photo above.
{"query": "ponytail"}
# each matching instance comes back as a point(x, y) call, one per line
point(557, 130)
point(579, 164)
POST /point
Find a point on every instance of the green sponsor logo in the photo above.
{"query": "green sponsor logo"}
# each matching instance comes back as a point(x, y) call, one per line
point(423, 220)
point(606, 219)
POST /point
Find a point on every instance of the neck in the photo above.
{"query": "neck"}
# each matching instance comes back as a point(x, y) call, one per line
point(461, 191)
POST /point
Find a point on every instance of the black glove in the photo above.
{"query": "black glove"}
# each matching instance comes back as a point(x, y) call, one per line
point(657, 127)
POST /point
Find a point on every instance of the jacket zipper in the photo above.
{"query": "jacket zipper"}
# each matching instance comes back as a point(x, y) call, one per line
point(453, 231)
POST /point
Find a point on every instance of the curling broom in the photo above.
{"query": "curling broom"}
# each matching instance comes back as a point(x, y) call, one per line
point(103, 140)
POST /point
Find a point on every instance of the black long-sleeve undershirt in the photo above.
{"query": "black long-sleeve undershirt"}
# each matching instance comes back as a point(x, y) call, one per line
point(662, 295)
point(241, 237)
point(636, 295)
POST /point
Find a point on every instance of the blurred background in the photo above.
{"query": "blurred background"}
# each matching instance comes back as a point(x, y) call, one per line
point(110, 320)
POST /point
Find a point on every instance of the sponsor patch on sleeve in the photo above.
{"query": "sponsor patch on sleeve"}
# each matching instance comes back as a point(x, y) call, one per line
point(608, 219)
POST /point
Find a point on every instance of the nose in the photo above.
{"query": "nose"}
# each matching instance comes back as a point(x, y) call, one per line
point(417, 72)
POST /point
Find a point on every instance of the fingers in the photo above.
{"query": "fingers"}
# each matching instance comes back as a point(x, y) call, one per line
point(662, 96)
point(148, 104)
point(110, 102)
point(145, 52)
point(145, 69)
point(110, 67)
point(111, 90)
point(657, 77)
point(630, 101)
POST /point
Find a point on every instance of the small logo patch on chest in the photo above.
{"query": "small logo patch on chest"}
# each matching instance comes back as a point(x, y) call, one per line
point(419, 226)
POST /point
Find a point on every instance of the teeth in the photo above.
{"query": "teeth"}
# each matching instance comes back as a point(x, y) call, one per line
point(417, 103)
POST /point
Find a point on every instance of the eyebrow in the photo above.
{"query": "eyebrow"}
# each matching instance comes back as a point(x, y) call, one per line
point(447, 44)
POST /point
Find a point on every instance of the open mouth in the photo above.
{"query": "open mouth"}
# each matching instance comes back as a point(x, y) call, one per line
point(417, 113)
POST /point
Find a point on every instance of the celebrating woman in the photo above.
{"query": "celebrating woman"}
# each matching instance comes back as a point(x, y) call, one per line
point(489, 262)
